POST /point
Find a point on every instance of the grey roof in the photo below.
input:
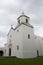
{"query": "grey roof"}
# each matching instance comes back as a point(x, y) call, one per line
point(27, 24)
point(23, 15)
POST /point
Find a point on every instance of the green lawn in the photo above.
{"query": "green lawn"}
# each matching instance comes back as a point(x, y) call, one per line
point(16, 61)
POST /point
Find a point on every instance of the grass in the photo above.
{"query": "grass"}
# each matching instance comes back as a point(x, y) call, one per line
point(16, 61)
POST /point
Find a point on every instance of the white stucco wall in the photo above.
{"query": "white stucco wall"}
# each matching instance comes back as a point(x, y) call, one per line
point(42, 47)
point(40, 44)
point(5, 50)
point(29, 49)
point(18, 40)
point(9, 41)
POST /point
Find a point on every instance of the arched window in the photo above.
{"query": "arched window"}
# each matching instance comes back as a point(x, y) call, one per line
point(9, 51)
point(26, 20)
point(28, 36)
point(18, 21)
point(17, 47)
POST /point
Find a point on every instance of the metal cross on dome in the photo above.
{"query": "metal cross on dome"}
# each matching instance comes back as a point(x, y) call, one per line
point(23, 12)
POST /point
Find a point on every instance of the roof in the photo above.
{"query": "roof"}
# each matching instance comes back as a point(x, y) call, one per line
point(23, 24)
point(23, 15)
point(20, 25)
point(38, 37)
point(10, 30)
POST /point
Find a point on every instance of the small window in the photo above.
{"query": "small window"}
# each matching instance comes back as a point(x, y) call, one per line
point(10, 35)
point(17, 30)
point(18, 21)
point(26, 20)
point(28, 36)
point(17, 47)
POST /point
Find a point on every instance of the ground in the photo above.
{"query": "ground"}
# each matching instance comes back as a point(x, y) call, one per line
point(16, 61)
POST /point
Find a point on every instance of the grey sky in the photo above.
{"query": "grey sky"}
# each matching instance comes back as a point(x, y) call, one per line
point(11, 9)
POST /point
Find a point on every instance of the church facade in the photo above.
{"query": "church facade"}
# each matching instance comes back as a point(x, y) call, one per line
point(21, 41)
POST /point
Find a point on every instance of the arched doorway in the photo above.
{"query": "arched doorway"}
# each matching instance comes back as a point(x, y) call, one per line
point(37, 53)
point(1, 53)
point(10, 46)
point(9, 51)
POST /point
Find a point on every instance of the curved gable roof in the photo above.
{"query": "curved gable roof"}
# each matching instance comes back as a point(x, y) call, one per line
point(23, 15)
point(23, 24)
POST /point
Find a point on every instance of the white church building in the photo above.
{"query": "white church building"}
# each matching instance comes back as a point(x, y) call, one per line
point(21, 41)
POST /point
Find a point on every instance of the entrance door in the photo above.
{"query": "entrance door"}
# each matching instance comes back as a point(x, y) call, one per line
point(37, 53)
point(9, 51)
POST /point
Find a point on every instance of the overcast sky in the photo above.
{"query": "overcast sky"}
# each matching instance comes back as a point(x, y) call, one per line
point(11, 9)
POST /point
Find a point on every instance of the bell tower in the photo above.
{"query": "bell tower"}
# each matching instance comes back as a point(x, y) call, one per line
point(23, 19)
